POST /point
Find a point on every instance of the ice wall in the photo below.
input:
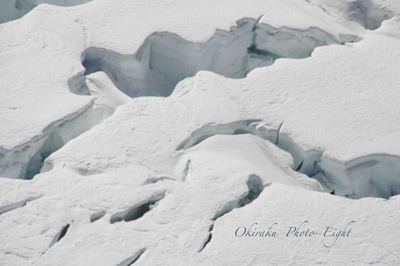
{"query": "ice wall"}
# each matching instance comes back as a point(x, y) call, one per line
point(165, 58)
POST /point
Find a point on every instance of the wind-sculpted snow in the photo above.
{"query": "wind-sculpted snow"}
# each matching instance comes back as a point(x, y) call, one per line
point(375, 175)
point(14, 9)
point(165, 58)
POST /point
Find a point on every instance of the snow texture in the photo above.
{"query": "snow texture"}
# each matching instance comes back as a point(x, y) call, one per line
point(14, 9)
point(151, 132)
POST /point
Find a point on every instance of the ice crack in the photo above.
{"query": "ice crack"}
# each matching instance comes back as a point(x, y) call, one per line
point(255, 187)
point(165, 58)
point(374, 175)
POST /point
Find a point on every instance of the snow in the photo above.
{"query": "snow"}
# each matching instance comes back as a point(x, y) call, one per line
point(14, 9)
point(148, 132)
point(164, 59)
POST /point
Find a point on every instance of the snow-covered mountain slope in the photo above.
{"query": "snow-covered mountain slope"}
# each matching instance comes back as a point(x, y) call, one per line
point(274, 114)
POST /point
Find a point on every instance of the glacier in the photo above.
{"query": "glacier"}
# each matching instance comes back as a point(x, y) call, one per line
point(147, 132)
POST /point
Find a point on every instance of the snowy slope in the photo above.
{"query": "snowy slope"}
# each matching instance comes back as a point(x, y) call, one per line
point(14, 9)
point(148, 132)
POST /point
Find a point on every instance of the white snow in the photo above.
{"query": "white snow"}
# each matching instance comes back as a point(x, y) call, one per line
point(153, 130)
point(14, 9)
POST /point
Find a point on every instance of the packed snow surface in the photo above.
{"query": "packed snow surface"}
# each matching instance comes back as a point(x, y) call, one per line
point(199, 132)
